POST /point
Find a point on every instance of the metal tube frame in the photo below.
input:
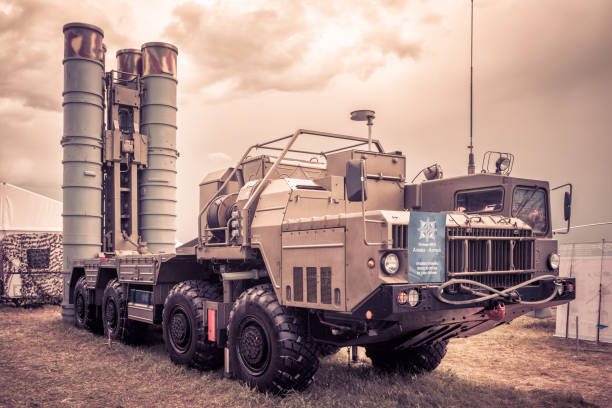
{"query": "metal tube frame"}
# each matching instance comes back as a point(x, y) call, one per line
point(292, 138)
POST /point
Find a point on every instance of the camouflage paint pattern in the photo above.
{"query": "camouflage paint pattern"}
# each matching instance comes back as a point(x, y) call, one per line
point(159, 59)
point(129, 63)
point(84, 41)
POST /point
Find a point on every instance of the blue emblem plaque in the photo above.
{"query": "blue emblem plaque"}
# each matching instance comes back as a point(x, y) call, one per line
point(426, 247)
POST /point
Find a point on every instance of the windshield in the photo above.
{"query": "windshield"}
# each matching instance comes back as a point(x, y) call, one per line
point(481, 201)
point(529, 204)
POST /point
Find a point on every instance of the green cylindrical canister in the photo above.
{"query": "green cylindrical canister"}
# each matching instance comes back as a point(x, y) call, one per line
point(157, 183)
point(82, 147)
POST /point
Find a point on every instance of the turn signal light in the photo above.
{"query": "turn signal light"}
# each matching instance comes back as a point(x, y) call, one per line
point(371, 263)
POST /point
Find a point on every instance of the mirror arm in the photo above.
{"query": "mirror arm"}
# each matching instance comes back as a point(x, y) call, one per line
point(569, 218)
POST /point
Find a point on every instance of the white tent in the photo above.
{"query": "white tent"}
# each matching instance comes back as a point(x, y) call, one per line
point(25, 211)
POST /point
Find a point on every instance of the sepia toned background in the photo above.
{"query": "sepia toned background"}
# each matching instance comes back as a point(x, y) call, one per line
point(254, 70)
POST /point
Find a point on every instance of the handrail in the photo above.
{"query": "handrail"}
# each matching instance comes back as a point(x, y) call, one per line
point(326, 134)
point(263, 181)
point(363, 214)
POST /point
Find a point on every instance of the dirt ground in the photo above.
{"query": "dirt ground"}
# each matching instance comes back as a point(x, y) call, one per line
point(526, 355)
point(47, 363)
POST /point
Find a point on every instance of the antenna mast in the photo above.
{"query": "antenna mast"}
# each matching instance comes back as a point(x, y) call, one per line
point(471, 166)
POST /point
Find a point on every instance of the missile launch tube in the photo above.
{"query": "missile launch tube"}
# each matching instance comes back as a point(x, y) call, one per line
point(82, 148)
point(129, 64)
point(157, 184)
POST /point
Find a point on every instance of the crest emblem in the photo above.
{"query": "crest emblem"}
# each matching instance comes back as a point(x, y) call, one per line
point(427, 230)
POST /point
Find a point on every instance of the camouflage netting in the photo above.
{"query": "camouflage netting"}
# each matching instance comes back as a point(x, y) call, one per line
point(37, 258)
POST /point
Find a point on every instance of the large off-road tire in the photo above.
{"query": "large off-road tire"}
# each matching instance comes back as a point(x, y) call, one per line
point(114, 311)
point(84, 313)
point(416, 360)
point(269, 347)
point(185, 334)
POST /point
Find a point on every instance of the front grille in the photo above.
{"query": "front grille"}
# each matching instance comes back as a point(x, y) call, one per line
point(523, 255)
point(487, 232)
point(399, 235)
point(477, 256)
point(499, 281)
point(496, 257)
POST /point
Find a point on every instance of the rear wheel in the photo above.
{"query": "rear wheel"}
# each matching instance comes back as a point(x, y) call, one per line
point(269, 347)
point(84, 313)
point(416, 360)
point(185, 335)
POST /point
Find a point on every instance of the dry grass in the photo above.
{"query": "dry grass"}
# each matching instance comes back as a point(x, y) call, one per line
point(46, 363)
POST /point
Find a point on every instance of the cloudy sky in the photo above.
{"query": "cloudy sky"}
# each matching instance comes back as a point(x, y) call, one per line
point(254, 70)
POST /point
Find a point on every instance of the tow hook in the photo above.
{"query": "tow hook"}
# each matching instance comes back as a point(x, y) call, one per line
point(496, 310)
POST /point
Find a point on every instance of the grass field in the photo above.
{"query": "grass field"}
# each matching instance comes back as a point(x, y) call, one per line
point(46, 363)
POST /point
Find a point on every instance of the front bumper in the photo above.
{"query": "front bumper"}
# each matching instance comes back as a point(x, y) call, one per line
point(433, 320)
point(383, 303)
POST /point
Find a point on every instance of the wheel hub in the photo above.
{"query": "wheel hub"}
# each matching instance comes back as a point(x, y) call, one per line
point(80, 307)
point(111, 314)
point(180, 332)
point(253, 348)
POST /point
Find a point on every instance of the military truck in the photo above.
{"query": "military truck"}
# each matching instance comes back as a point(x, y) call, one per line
point(300, 249)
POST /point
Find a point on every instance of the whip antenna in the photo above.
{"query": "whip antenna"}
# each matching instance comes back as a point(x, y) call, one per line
point(471, 166)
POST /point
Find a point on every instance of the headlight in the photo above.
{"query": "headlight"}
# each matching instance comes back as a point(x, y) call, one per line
point(390, 263)
point(554, 260)
point(414, 297)
point(502, 164)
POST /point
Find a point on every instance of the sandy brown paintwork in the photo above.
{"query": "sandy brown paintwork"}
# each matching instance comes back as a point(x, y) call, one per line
point(302, 220)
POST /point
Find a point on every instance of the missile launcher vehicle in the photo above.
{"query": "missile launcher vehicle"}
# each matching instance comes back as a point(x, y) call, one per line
point(300, 249)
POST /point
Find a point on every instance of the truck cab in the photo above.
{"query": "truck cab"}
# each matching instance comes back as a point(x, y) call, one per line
point(486, 194)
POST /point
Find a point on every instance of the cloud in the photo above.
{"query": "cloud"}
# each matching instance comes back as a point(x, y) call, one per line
point(431, 18)
point(31, 83)
point(288, 46)
point(31, 47)
point(219, 157)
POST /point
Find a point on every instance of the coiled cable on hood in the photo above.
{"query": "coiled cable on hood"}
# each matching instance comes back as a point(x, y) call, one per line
point(495, 293)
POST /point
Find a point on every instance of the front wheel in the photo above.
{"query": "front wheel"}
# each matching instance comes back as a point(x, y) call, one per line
point(417, 360)
point(269, 346)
